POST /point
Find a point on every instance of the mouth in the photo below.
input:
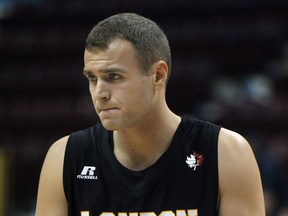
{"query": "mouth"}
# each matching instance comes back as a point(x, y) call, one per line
point(107, 109)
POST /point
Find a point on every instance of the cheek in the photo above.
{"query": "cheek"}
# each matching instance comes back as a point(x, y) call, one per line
point(138, 99)
point(91, 90)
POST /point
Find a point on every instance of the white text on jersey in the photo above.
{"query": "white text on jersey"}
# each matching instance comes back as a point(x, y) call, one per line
point(189, 212)
point(87, 173)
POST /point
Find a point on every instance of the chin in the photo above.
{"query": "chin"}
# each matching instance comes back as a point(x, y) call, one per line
point(109, 125)
point(109, 128)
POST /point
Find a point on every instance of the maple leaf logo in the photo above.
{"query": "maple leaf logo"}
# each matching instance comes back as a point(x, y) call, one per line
point(194, 160)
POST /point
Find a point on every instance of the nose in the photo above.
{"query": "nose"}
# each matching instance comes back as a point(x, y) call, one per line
point(100, 90)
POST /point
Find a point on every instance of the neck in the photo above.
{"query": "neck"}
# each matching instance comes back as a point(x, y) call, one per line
point(139, 147)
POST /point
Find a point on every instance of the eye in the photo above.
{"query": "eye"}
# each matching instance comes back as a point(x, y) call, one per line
point(114, 76)
point(92, 78)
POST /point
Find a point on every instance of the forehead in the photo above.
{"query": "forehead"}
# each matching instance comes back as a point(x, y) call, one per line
point(118, 52)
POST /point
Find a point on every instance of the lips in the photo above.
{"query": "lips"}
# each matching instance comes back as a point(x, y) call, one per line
point(106, 109)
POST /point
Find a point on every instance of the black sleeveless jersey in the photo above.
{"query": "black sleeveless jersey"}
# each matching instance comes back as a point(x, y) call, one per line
point(183, 182)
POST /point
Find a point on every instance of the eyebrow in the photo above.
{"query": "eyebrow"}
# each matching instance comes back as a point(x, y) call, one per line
point(106, 70)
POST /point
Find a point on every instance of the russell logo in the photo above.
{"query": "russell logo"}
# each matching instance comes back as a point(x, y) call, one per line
point(88, 172)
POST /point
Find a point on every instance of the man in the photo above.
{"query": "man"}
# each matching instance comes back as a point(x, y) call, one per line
point(144, 160)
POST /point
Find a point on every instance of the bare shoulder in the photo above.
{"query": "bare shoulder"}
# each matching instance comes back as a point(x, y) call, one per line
point(58, 148)
point(55, 156)
point(51, 198)
point(240, 187)
point(235, 157)
point(232, 139)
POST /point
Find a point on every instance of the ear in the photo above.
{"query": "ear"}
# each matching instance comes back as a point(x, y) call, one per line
point(160, 70)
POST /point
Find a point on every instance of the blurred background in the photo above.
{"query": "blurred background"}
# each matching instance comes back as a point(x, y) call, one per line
point(229, 66)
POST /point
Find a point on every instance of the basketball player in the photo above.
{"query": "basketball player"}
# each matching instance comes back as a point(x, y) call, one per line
point(142, 159)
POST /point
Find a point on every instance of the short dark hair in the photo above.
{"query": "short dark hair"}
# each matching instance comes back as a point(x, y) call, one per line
point(145, 35)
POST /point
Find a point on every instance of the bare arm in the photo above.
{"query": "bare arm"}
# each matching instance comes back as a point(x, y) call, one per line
point(51, 199)
point(240, 187)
